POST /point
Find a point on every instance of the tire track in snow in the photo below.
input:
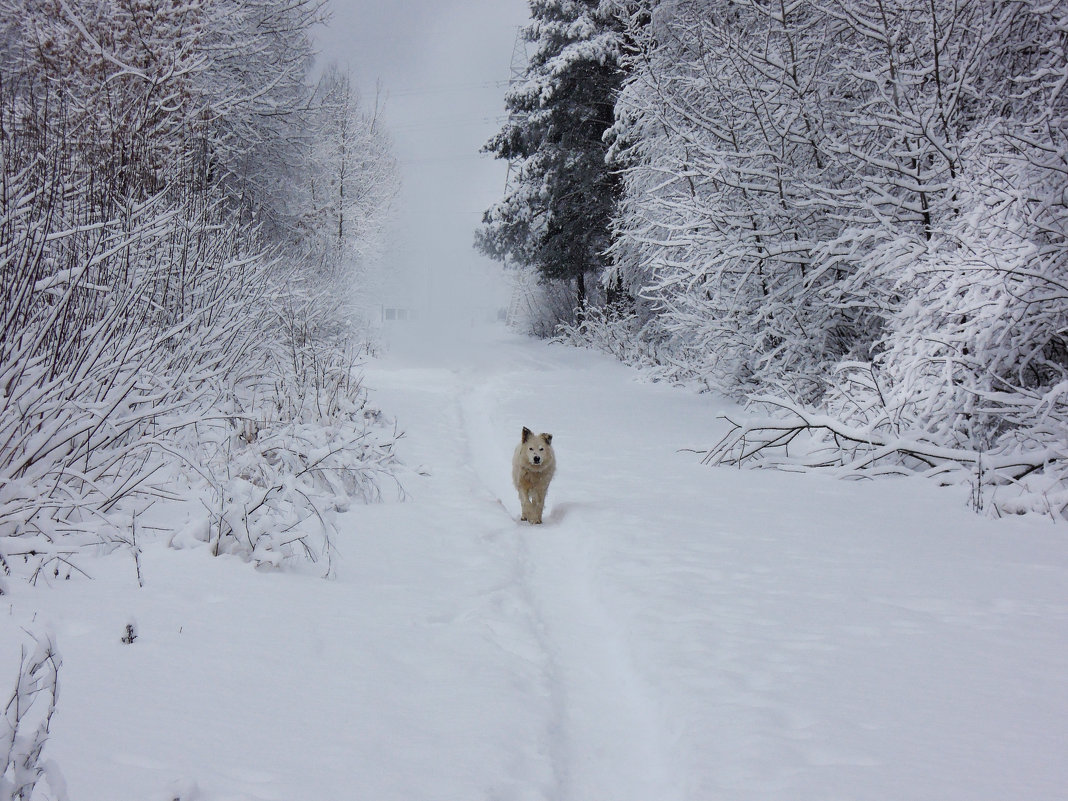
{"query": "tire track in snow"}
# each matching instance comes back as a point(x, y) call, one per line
point(489, 456)
point(611, 741)
point(463, 509)
point(604, 738)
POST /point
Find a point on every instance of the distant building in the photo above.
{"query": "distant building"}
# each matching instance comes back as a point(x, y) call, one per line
point(398, 314)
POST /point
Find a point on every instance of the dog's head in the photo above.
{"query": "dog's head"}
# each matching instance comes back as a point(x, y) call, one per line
point(537, 448)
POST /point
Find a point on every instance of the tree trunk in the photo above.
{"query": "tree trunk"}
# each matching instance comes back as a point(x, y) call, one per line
point(616, 298)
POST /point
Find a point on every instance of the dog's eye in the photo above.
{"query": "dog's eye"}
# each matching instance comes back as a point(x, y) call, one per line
point(541, 449)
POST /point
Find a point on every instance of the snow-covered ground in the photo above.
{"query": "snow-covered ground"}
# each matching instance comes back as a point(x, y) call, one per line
point(671, 632)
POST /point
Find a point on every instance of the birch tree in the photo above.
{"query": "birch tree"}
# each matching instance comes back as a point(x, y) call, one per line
point(721, 137)
point(855, 211)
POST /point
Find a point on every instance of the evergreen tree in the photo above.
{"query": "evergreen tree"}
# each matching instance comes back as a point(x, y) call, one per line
point(556, 214)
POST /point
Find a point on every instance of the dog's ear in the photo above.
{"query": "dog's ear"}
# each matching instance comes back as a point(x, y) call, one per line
point(548, 438)
point(527, 433)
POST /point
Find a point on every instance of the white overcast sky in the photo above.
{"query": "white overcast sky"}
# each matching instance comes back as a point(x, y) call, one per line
point(442, 66)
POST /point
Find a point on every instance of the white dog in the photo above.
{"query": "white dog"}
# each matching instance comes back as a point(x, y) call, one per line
point(533, 465)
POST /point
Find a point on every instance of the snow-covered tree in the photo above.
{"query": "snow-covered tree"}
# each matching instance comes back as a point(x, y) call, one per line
point(975, 356)
point(351, 175)
point(556, 213)
point(153, 157)
point(721, 138)
point(854, 207)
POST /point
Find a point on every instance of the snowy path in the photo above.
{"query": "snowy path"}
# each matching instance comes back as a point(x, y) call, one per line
point(672, 632)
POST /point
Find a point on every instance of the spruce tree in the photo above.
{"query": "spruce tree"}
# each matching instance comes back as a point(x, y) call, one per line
point(556, 214)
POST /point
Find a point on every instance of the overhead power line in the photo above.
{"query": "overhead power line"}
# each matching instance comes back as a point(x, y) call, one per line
point(444, 159)
point(455, 122)
point(449, 87)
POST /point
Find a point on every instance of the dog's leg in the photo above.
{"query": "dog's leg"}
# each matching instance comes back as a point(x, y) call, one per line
point(524, 502)
point(537, 505)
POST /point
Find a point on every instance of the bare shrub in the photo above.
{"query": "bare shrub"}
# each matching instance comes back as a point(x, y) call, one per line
point(24, 728)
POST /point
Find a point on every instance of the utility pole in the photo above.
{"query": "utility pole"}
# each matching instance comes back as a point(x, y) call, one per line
point(522, 296)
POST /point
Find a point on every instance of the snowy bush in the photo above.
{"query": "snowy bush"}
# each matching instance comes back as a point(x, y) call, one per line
point(27, 716)
point(538, 306)
point(620, 332)
point(608, 331)
point(97, 367)
point(289, 457)
point(969, 383)
point(182, 220)
point(976, 357)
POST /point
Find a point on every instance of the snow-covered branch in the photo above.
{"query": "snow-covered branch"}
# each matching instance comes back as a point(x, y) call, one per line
point(25, 724)
point(170, 191)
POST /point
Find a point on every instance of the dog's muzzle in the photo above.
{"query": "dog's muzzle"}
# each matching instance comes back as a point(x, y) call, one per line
point(537, 460)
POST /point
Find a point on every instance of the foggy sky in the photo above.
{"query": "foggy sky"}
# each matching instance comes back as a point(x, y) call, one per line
point(441, 68)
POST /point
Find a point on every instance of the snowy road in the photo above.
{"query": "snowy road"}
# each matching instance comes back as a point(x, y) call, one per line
point(672, 632)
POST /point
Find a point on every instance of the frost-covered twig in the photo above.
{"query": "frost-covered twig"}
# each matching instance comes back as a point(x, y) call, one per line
point(25, 724)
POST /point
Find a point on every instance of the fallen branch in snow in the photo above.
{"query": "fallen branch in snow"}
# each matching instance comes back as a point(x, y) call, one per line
point(824, 442)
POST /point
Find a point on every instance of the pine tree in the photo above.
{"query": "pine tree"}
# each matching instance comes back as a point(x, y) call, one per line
point(556, 215)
